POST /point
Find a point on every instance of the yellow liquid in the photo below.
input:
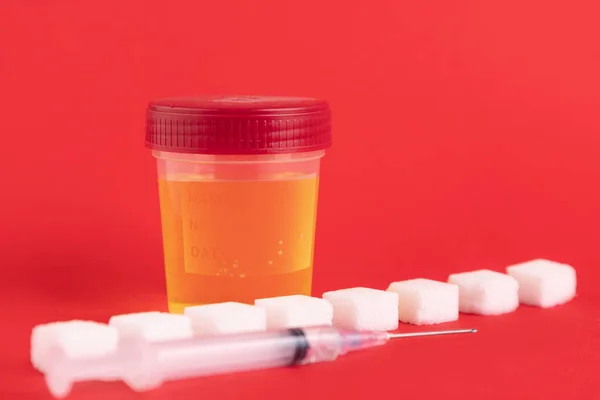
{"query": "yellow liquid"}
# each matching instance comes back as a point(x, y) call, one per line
point(237, 240)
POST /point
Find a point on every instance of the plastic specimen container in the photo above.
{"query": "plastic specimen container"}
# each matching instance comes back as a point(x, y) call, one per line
point(238, 182)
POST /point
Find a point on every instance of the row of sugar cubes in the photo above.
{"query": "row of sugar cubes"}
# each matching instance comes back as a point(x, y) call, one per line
point(419, 301)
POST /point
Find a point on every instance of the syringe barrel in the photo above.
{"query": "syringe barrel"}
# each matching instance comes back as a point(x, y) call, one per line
point(234, 353)
point(144, 366)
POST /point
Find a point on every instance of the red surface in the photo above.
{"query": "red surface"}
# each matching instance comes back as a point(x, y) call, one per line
point(492, 109)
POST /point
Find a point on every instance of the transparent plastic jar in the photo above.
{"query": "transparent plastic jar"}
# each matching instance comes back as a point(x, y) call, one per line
point(238, 187)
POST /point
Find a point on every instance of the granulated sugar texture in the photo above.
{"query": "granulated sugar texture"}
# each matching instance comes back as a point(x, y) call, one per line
point(486, 292)
point(544, 283)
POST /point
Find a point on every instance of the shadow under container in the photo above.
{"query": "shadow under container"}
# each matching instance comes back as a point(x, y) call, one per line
point(238, 184)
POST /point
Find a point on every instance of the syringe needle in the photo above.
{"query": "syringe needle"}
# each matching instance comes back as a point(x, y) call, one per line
point(431, 333)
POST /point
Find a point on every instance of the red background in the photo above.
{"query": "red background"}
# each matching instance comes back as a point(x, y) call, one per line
point(466, 136)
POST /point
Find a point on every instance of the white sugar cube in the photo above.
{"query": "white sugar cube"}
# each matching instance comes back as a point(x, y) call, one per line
point(486, 292)
point(153, 326)
point(364, 309)
point(226, 318)
point(74, 339)
point(426, 302)
point(544, 283)
point(295, 311)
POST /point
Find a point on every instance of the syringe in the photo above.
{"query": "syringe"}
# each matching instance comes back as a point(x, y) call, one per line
point(144, 366)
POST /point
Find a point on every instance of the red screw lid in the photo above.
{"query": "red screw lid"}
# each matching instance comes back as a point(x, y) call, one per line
point(238, 125)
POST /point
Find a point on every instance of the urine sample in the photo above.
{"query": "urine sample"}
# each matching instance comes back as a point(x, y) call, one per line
point(238, 181)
